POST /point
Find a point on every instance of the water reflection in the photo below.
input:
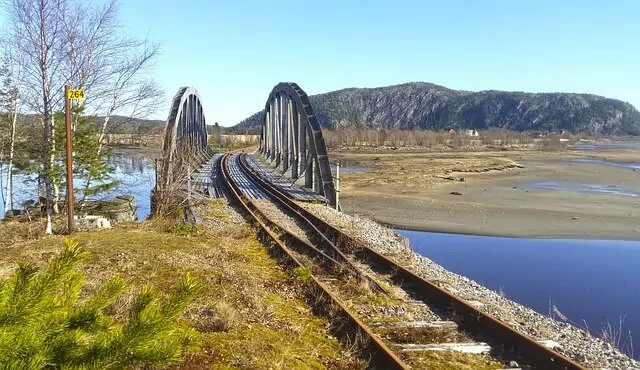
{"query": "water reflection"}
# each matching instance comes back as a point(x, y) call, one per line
point(634, 166)
point(590, 280)
point(613, 144)
point(347, 169)
point(136, 176)
point(577, 186)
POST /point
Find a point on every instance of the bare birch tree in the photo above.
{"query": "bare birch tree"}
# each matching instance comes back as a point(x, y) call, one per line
point(11, 92)
point(38, 24)
point(115, 68)
point(74, 42)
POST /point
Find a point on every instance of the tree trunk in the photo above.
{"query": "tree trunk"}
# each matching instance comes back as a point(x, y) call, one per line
point(9, 198)
point(48, 160)
point(54, 181)
point(103, 131)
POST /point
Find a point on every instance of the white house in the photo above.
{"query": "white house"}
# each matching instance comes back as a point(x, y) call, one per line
point(471, 133)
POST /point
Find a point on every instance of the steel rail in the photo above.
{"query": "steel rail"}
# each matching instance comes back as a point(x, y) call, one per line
point(473, 320)
point(292, 238)
point(322, 239)
point(381, 354)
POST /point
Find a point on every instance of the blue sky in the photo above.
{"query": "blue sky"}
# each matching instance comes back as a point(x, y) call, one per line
point(234, 52)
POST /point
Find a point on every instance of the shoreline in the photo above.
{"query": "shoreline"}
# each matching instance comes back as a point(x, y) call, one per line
point(455, 231)
point(519, 194)
point(576, 342)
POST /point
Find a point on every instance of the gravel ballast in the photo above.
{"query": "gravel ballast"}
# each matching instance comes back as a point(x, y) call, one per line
point(574, 342)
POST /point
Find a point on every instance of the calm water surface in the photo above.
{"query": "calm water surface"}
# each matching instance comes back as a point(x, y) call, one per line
point(589, 281)
point(634, 166)
point(610, 145)
point(136, 175)
point(581, 187)
point(351, 167)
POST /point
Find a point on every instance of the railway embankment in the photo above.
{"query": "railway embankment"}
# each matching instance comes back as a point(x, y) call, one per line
point(568, 339)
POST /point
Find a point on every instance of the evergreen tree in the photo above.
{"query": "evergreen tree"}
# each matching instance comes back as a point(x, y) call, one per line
point(43, 324)
point(89, 163)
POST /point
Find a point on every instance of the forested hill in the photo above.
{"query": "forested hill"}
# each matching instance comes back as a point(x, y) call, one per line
point(428, 106)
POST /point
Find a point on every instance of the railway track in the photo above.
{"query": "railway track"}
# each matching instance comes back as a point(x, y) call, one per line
point(392, 315)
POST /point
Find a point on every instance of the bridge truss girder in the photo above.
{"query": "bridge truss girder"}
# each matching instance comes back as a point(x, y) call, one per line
point(291, 138)
point(185, 137)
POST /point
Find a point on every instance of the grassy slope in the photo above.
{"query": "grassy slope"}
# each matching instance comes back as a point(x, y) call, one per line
point(250, 314)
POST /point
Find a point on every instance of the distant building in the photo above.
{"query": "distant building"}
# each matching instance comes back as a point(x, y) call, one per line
point(471, 133)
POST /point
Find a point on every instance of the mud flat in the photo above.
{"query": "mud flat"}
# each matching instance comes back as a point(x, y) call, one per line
point(571, 194)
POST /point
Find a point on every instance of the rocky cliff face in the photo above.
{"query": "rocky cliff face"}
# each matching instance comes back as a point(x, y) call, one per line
point(422, 105)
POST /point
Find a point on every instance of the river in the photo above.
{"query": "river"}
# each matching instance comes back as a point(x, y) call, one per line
point(136, 176)
point(589, 281)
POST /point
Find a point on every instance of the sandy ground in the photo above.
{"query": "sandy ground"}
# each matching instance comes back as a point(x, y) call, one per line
point(413, 191)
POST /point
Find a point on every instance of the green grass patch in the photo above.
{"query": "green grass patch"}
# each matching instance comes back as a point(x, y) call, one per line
point(248, 314)
point(45, 324)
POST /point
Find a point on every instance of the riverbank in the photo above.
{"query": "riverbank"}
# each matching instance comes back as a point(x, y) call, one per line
point(577, 343)
point(568, 194)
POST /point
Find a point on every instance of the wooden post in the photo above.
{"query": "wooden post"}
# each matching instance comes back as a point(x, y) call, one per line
point(337, 186)
point(70, 201)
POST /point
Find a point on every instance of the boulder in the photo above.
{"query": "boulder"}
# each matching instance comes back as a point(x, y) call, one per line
point(92, 222)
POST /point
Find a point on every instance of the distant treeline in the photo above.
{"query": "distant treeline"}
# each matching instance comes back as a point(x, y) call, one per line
point(395, 139)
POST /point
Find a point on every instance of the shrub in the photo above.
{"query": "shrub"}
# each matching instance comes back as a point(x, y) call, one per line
point(44, 324)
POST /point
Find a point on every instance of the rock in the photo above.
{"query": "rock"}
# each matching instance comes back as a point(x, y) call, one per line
point(550, 343)
point(455, 193)
point(119, 209)
point(462, 179)
point(13, 213)
point(574, 218)
point(93, 222)
point(513, 364)
point(476, 304)
point(514, 187)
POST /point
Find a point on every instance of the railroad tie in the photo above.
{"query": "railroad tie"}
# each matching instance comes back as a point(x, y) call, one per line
point(473, 347)
point(441, 324)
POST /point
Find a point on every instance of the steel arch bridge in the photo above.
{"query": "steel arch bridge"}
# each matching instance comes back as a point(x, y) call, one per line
point(291, 139)
point(185, 144)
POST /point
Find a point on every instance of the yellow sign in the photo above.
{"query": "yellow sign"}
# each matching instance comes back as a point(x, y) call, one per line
point(75, 94)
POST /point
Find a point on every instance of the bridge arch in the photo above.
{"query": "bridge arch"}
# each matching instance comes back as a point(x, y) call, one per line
point(291, 138)
point(185, 138)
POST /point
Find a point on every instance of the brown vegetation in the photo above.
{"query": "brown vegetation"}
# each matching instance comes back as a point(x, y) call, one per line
point(414, 171)
point(249, 313)
point(408, 139)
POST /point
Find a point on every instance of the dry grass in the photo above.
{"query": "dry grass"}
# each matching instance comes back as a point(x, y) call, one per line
point(250, 315)
point(424, 335)
point(447, 360)
point(13, 231)
point(442, 141)
point(416, 171)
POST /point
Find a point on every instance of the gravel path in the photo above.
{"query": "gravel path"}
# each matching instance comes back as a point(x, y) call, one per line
point(575, 342)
